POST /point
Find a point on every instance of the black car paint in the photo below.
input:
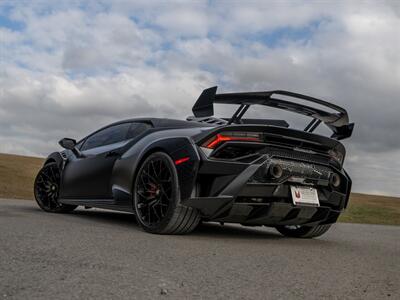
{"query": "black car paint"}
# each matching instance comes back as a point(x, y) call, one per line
point(100, 175)
point(104, 176)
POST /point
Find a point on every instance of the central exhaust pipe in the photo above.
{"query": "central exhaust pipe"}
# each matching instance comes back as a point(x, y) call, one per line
point(276, 171)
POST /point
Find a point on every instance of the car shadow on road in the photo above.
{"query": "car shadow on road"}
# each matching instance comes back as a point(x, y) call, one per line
point(114, 217)
point(100, 215)
point(234, 231)
point(206, 229)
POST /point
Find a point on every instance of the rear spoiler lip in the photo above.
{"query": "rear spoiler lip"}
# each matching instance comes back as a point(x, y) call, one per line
point(337, 122)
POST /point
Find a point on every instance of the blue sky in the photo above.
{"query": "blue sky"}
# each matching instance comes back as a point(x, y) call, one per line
point(7, 22)
point(69, 67)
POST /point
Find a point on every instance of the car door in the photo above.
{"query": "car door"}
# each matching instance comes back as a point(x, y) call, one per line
point(88, 177)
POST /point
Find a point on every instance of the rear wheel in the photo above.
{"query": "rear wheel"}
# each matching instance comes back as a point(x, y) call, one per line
point(47, 188)
point(157, 198)
point(306, 232)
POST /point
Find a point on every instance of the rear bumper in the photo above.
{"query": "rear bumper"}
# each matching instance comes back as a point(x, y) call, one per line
point(243, 193)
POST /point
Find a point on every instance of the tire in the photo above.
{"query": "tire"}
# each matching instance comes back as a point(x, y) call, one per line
point(156, 198)
point(305, 232)
point(46, 190)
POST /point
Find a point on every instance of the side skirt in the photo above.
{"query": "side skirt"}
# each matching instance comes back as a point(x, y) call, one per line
point(98, 203)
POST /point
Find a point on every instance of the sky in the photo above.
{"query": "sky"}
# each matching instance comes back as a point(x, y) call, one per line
point(70, 67)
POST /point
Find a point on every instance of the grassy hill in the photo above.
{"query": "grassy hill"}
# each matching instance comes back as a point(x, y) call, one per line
point(371, 209)
point(17, 174)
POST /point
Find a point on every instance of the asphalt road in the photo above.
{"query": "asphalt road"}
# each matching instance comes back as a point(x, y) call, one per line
point(97, 254)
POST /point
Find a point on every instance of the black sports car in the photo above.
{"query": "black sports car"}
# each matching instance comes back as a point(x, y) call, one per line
point(173, 174)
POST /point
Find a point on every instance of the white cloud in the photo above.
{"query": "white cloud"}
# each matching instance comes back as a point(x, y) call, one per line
point(73, 66)
point(184, 22)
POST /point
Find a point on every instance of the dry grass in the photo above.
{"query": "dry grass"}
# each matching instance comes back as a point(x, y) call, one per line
point(370, 209)
point(17, 174)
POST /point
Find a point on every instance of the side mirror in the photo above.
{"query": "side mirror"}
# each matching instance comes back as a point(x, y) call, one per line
point(67, 143)
point(70, 144)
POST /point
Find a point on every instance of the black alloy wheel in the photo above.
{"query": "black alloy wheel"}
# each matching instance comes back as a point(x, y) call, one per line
point(47, 188)
point(157, 198)
point(154, 191)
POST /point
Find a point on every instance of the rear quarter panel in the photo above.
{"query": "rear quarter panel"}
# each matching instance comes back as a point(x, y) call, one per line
point(177, 143)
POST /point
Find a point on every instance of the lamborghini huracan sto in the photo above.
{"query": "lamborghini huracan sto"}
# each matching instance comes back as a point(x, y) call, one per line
point(174, 174)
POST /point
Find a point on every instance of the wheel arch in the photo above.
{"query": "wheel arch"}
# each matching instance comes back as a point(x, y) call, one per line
point(54, 157)
point(177, 148)
point(126, 169)
point(146, 155)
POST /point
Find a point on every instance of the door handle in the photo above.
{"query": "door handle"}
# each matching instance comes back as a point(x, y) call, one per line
point(112, 154)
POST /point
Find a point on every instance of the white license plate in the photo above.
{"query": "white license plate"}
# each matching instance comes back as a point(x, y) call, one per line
point(304, 195)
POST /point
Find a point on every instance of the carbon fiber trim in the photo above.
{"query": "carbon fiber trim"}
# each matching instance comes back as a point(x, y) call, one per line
point(280, 152)
point(299, 155)
point(293, 171)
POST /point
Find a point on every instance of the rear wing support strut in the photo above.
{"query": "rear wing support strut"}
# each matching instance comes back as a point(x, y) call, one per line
point(239, 113)
point(312, 125)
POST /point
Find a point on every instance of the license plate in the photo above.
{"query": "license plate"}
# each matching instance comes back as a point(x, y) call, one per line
point(304, 195)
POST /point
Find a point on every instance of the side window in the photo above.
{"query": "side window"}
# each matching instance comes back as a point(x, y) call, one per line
point(137, 129)
point(107, 136)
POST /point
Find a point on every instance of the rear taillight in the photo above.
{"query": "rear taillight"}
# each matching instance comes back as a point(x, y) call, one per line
point(220, 138)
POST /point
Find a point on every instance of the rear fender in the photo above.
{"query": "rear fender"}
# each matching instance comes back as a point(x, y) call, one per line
point(186, 159)
point(177, 148)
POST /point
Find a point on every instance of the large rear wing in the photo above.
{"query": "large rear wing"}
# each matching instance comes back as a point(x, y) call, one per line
point(337, 121)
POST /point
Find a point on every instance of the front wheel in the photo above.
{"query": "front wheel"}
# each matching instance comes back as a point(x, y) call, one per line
point(305, 232)
point(46, 190)
point(157, 198)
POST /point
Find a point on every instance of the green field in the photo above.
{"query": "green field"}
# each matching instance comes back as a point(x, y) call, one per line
point(371, 209)
point(17, 174)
